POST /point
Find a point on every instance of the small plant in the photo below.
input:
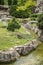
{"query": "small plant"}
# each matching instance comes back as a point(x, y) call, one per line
point(13, 25)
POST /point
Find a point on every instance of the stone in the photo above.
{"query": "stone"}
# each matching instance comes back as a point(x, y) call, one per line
point(41, 37)
point(33, 28)
point(36, 30)
point(27, 26)
point(39, 33)
point(34, 43)
point(14, 53)
point(9, 55)
point(4, 23)
point(25, 50)
point(19, 49)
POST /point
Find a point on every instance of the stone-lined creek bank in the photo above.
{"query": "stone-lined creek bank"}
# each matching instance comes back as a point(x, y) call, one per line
point(13, 53)
point(34, 58)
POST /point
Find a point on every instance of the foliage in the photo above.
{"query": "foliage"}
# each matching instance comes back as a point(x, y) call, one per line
point(12, 10)
point(34, 15)
point(23, 2)
point(40, 21)
point(13, 25)
point(22, 14)
point(22, 11)
point(15, 2)
point(1, 2)
point(9, 2)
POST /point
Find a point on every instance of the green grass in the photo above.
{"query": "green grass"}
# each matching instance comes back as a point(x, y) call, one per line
point(9, 39)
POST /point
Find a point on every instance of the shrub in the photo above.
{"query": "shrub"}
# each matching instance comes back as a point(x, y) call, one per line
point(18, 14)
point(13, 25)
point(22, 14)
point(40, 21)
point(12, 10)
point(34, 15)
point(22, 11)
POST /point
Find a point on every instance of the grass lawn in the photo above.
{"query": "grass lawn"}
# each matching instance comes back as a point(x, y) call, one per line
point(9, 39)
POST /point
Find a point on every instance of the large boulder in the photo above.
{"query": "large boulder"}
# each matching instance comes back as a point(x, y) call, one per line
point(10, 55)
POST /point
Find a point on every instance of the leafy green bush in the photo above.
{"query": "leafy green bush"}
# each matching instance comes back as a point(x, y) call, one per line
point(18, 14)
point(13, 25)
point(22, 14)
point(40, 21)
point(22, 11)
point(12, 10)
point(34, 15)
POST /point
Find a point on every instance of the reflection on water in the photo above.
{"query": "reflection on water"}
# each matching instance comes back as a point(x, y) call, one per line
point(35, 58)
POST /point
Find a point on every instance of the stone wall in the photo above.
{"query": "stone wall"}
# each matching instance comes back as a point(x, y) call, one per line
point(27, 48)
point(34, 29)
point(14, 53)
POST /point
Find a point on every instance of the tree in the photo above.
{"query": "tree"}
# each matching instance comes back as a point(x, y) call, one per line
point(9, 2)
point(13, 25)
